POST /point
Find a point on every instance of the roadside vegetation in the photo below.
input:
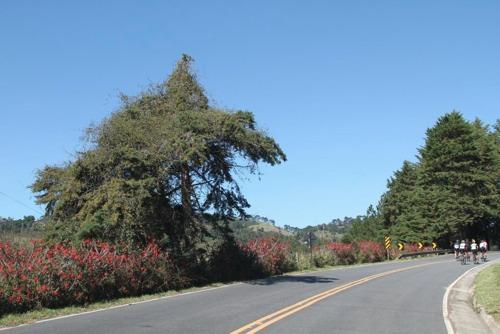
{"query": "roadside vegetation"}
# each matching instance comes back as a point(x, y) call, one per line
point(21, 230)
point(40, 275)
point(487, 290)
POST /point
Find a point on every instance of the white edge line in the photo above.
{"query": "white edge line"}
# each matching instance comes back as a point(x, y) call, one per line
point(121, 305)
point(446, 315)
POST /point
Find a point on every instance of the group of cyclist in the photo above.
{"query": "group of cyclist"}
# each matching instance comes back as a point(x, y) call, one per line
point(464, 248)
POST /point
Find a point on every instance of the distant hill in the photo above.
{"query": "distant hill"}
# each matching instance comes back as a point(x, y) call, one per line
point(257, 226)
point(244, 229)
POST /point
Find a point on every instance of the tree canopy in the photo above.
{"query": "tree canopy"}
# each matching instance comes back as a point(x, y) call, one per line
point(452, 191)
point(164, 166)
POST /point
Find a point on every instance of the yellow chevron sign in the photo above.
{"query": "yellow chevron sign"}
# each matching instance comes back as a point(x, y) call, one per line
point(420, 245)
point(387, 242)
point(434, 245)
point(401, 246)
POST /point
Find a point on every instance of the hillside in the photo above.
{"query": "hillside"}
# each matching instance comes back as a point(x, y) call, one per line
point(256, 226)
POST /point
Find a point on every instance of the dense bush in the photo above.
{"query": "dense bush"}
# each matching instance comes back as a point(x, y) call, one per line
point(369, 251)
point(339, 253)
point(50, 276)
point(40, 275)
point(229, 261)
point(273, 255)
point(343, 253)
point(323, 257)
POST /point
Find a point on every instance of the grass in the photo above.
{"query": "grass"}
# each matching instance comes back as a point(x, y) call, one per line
point(263, 227)
point(487, 290)
point(20, 238)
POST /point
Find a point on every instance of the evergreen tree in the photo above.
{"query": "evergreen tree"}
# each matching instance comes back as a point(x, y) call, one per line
point(458, 162)
point(452, 191)
point(161, 167)
point(367, 227)
point(401, 206)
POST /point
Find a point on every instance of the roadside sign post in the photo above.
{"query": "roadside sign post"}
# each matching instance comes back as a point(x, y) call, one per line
point(310, 240)
point(387, 243)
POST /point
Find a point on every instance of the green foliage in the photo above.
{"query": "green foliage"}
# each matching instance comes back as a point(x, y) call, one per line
point(322, 233)
point(27, 223)
point(368, 227)
point(231, 262)
point(401, 206)
point(452, 191)
point(161, 167)
point(248, 229)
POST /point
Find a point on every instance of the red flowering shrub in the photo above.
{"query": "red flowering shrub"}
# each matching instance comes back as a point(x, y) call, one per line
point(360, 251)
point(271, 253)
point(369, 251)
point(344, 253)
point(410, 248)
point(49, 276)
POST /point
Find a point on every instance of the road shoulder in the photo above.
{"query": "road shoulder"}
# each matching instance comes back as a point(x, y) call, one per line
point(459, 312)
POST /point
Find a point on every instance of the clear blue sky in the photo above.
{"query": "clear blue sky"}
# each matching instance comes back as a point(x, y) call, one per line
point(347, 89)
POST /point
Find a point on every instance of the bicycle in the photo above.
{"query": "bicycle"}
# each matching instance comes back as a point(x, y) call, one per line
point(474, 258)
point(463, 259)
point(483, 257)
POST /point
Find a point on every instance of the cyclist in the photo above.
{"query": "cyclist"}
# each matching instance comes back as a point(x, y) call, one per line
point(463, 249)
point(456, 247)
point(474, 248)
point(483, 247)
point(467, 249)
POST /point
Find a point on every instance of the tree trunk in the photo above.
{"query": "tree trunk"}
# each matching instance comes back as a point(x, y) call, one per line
point(187, 214)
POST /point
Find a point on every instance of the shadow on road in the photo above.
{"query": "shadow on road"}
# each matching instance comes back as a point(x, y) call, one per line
point(293, 279)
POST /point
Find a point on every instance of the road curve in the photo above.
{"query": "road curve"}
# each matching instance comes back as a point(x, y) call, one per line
point(393, 297)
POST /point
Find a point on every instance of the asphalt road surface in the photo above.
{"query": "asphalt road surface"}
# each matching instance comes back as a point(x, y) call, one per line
point(393, 297)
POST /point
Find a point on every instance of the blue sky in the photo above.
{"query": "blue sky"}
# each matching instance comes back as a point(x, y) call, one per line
point(347, 88)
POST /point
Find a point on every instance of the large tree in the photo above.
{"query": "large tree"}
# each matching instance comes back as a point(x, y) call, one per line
point(459, 164)
point(401, 206)
point(452, 191)
point(163, 166)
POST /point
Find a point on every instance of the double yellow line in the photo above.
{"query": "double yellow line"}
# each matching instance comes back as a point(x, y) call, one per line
point(260, 324)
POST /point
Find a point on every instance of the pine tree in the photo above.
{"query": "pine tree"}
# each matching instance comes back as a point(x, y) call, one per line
point(456, 165)
point(162, 167)
point(401, 206)
point(452, 191)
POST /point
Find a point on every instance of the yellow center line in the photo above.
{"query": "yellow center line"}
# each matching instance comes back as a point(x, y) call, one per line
point(261, 323)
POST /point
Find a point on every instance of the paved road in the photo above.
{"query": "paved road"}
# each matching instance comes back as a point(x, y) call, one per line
point(406, 298)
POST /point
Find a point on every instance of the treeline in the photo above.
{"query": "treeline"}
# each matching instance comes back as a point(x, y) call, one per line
point(25, 224)
point(451, 192)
